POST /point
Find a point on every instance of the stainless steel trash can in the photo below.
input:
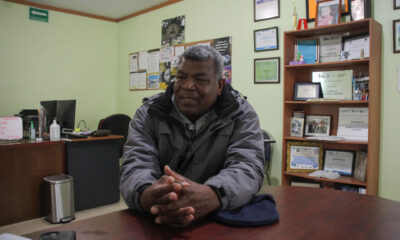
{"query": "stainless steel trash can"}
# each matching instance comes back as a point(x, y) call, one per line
point(60, 198)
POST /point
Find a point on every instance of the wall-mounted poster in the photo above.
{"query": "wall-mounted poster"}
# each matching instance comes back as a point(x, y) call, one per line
point(173, 31)
point(223, 46)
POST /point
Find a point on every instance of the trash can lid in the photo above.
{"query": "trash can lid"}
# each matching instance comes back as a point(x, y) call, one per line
point(56, 179)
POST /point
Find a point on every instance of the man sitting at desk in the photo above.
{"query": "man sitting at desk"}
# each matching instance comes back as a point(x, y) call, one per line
point(194, 149)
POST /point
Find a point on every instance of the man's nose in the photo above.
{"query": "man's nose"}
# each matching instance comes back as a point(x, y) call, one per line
point(189, 84)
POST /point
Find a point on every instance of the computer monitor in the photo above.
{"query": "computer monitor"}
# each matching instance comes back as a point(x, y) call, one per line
point(62, 110)
point(66, 113)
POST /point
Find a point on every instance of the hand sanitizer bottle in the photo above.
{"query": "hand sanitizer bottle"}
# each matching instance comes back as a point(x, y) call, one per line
point(54, 131)
point(33, 132)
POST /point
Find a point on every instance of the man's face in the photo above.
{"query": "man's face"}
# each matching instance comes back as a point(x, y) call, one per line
point(196, 88)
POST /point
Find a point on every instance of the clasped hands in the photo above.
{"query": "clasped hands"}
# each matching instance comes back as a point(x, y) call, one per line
point(176, 201)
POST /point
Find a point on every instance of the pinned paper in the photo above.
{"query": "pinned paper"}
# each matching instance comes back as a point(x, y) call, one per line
point(11, 128)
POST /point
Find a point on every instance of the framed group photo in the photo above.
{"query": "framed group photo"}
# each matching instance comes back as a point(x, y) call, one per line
point(304, 156)
point(328, 12)
point(317, 125)
point(266, 39)
point(311, 8)
point(267, 70)
point(266, 9)
point(396, 36)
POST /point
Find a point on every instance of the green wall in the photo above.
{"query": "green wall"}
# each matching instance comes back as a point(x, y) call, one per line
point(87, 59)
point(71, 57)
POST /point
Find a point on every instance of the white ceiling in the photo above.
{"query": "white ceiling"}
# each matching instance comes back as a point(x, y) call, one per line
point(107, 8)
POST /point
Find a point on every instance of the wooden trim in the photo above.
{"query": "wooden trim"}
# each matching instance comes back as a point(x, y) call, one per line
point(161, 5)
point(43, 6)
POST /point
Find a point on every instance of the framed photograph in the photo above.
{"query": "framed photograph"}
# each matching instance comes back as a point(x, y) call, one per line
point(297, 127)
point(173, 31)
point(311, 9)
point(266, 39)
point(308, 48)
point(396, 4)
point(305, 91)
point(328, 12)
point(360, 9)
point(303, 156)
point(318, 125)
point(265, 9)
point(267, 70)
point(360, 166)
point(396, 36)
point(339, 161)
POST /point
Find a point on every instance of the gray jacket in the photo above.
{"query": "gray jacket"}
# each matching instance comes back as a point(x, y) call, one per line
point(226, 155)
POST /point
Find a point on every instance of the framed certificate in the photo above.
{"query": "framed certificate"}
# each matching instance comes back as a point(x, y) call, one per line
point(396, 4)
point(265, 9)
point(303, 156)
point(267, 70)
point(396, 36)
point(339, 161)
point(266, 39)
point(308, 48)
point(305, 91)
point(335, 84)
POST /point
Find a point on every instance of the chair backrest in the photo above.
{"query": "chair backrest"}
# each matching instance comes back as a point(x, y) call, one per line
point(268, 141)
point(118, 124)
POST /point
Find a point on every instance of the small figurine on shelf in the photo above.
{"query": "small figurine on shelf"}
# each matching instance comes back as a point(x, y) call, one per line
point(299, 60)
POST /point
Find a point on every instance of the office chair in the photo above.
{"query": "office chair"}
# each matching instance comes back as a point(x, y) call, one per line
point(268, 141)
point(118, 124)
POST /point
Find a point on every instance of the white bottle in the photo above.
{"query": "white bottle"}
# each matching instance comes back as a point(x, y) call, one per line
point(54, 131)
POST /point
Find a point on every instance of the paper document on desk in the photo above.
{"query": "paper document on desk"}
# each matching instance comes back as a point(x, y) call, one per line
point(353, 124)
point(10, 236)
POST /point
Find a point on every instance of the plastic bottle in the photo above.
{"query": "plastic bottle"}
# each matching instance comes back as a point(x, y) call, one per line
point(54, 131)
point(33, 132)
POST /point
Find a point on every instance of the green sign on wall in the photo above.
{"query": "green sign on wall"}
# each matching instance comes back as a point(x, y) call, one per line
point(38, 14)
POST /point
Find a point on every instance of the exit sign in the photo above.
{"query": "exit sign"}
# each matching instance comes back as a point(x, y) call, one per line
point(38, 14)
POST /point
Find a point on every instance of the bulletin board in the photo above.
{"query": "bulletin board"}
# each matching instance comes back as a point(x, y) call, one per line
point(155, 69)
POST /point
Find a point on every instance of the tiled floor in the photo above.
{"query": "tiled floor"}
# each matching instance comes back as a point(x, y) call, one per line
point(38, 224)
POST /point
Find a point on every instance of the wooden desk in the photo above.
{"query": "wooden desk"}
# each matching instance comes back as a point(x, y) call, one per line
point(305, 213)
point(93, 162)
point(23, 164)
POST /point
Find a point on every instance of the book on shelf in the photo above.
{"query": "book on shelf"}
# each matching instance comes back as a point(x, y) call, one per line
point(305, 184)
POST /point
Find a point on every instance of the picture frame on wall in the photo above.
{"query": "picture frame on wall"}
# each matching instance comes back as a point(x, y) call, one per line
point(266, 39)
point(396, 36)
point(360, 9)
point(267, 70)
point(311, 9)
point(266, 9)
point(396, 4)
point(328, 12)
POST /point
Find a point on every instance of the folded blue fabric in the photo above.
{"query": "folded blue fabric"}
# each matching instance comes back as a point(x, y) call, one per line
point(260, 211)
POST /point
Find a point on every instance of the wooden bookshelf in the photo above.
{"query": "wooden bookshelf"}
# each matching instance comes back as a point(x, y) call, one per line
point(302, 73)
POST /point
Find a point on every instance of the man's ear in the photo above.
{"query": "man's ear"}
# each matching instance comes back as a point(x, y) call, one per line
point(221, 84)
